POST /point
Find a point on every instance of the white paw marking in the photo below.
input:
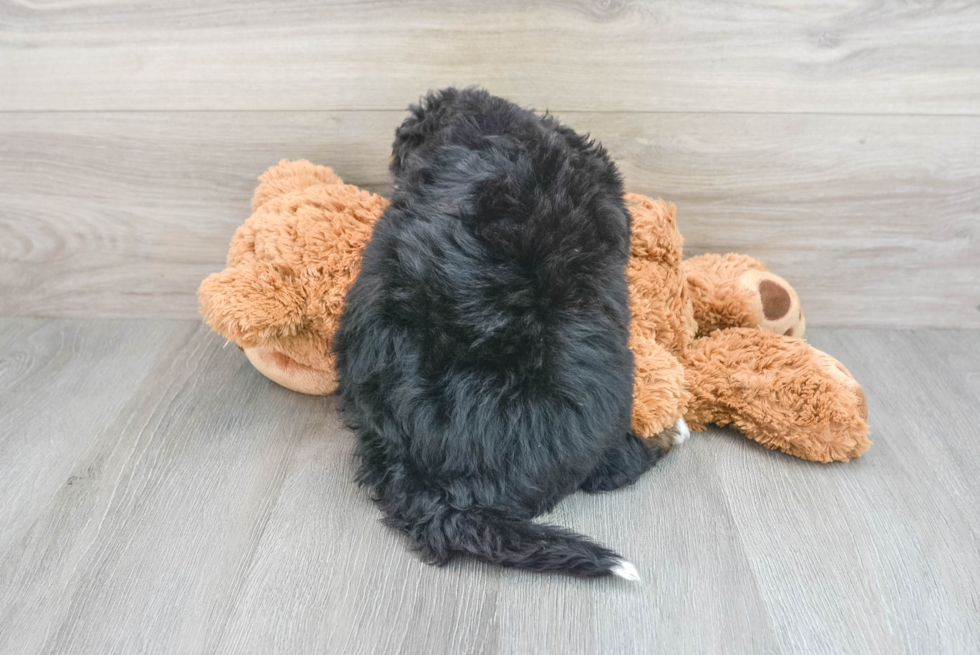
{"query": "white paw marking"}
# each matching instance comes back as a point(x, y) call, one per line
point(681, 431)
point(625, 570)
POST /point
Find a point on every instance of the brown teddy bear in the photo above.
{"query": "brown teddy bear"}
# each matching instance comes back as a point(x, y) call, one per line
point(716, 339)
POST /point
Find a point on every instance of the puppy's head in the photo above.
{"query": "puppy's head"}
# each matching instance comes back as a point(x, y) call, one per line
point(463, 118)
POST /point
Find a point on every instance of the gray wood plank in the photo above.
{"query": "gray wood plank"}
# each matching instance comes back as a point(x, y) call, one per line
point(330, 582)
point(63, 386)
point(209, 510)
point(153, 524)
point(851, 56)
point(879, 555)
point(873, 219)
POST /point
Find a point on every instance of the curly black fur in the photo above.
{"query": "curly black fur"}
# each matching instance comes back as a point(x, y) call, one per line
point(482, 354)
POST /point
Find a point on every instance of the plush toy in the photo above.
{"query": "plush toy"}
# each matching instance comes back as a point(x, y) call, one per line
point(716, 339)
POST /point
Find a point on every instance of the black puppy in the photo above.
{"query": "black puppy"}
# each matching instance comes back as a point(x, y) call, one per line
point(482, 354)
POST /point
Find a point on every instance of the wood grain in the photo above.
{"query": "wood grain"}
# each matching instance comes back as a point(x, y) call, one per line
point(837, 553)
point(874, 220)
point(854, 56)
point(62, 385)
point(187, 504)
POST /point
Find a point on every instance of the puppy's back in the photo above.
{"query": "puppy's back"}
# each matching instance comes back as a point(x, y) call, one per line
point(483, 353)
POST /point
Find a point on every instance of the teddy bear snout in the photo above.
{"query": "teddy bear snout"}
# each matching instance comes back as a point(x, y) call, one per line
point(290, 373)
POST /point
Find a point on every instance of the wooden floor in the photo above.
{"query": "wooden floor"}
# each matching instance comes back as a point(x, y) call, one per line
point(160, 496)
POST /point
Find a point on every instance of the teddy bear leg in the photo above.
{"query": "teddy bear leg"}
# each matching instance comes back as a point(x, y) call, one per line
point(738, 291)
point(660, 395)
point(779, 391)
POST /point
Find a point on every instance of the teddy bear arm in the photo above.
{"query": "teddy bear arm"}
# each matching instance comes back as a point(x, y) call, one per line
point(779, 391)
point(253, 303)
point(736, 290)
point(660, 395)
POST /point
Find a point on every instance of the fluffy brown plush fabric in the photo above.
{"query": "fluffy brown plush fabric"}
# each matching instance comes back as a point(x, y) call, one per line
point(716, 339)
point(738, 291)
point(732, 327)
point(289, 267)
point(662, 318)
point(781, 391)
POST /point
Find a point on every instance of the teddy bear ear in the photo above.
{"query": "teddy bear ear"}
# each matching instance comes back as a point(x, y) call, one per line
point(287, 176)
point(253, 303)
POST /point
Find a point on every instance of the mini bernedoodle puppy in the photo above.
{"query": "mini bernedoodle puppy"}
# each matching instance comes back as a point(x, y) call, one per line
point(482, 354)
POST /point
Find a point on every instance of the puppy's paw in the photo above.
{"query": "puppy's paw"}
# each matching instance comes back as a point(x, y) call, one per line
point(678, 433)
point(666, 439)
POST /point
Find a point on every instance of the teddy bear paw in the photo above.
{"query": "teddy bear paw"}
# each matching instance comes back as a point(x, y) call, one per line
point(840, 373)
point(776, 305)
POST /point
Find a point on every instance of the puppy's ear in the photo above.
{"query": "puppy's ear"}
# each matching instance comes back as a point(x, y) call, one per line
point(428, 117)
point(253, 303)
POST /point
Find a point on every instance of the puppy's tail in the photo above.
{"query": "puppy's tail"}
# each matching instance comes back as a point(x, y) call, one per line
point(443, 533)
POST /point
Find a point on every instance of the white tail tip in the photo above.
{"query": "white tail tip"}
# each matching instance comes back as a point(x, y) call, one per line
point(625, 570)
